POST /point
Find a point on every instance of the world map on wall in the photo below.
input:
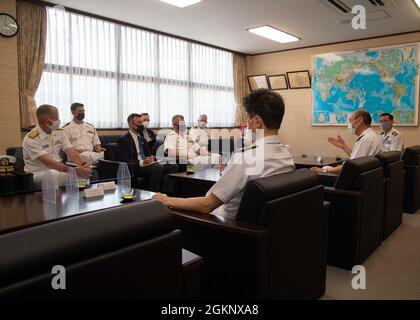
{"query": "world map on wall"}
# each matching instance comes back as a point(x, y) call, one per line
point(378, 80)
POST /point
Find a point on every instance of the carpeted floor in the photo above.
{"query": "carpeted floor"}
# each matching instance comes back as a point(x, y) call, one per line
point(392, 271)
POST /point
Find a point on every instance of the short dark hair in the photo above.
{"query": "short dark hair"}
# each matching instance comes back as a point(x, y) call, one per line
point(176, 117)
point(266, 104)
point(131, 117)
point(386, 114)
point(144, 114)
point(365, 115)
point(43, 110)
point(76, 105)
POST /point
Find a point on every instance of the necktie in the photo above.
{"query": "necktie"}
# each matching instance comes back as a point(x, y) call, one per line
point(141, 152)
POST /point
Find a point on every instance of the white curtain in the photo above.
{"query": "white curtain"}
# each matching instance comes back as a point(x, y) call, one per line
point(116, 70)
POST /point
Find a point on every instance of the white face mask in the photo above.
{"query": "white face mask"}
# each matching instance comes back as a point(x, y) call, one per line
point(55, 125)
point(249, 137)
point(202, 124)
point(146, 124)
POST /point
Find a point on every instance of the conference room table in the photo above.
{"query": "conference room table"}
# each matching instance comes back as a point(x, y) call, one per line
point(28, 209)
point(198, 183)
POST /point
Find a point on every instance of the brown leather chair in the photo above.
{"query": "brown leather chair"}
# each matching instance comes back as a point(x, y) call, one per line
point(128, 252)
point(393, 168)
point(411, 158)
point(355, 222)
point(276, 249)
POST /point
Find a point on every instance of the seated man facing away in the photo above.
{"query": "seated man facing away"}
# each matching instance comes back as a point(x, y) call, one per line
point(83, 136)
point(41, 148)
point(367, 144)
point(198, 132)
point(134, 150)
point(392, 139)
point(265, 110)
point(179, 145)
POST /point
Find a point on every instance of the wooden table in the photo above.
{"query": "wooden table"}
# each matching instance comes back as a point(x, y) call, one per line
point(311, 161)
point(194, 185)
point(28, 209)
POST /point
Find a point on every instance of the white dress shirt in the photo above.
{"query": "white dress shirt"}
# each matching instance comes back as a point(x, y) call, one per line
point(368, 144)
point(268, 157)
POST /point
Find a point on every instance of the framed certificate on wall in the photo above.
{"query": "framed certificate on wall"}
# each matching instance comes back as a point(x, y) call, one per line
point(258, 82)
point(299, 79)
point(278, 82)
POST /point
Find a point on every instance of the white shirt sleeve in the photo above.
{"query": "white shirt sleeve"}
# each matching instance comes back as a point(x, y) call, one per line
point(96, 140)
point(170, 142)
point(233, 180)
point(397, 143)
point(33, 148)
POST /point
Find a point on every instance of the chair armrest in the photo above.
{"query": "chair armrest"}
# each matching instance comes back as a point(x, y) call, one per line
point(223, 223)
point(327, 179)
point(332, 190)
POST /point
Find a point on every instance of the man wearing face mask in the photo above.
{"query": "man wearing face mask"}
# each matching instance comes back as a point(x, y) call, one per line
point(265, 111)
point(198, 132)
point(367, 144)
point(182, 147)
point(83, 136)
point(391, 138)
point(42, 146)
point(147, 133)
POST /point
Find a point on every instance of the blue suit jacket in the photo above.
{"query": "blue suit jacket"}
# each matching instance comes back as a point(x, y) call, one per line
point(127, 151)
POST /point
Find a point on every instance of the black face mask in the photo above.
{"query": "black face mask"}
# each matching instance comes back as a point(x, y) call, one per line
point(80, 116)
point(140, 128)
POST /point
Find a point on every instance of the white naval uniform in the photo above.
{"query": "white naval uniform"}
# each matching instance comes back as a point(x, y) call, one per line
point(187, 149)
point(200, 136)
point(368, 144)
point(272, 158)
point(38, 143)
point(392, 141)
point(83, 137)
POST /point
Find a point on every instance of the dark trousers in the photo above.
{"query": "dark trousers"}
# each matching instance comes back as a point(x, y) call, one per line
point(167, 181)
point(153, 173)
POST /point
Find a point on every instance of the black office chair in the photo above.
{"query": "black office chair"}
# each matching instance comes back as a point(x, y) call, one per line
point(411, 158)
point(355, 223)
point(129, 252)
point(276, 249)
point(393, 168)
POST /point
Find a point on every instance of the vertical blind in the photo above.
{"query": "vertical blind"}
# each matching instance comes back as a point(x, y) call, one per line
point(115, 70)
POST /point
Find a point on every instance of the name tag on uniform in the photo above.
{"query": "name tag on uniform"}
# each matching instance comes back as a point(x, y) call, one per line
point(45, 146)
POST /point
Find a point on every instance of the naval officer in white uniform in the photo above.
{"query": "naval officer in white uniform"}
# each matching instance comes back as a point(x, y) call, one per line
point(368, 142)
point(265, 157)
point(42, 146)
point(392, 139)
point(83, 136)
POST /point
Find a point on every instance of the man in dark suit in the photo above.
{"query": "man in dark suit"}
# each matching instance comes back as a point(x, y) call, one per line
point(147, 133)
point(134, 150)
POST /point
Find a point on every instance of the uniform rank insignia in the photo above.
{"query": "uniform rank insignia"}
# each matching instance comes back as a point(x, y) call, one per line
point(33, 134)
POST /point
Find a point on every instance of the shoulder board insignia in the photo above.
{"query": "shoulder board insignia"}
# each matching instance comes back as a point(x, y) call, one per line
point(68, 123)
point(33, 134)
point(382, 133)
point(60, 129)
point(395, 133)
point(91, 131)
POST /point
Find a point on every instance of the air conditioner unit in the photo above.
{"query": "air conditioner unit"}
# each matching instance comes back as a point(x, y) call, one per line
point(344, 7)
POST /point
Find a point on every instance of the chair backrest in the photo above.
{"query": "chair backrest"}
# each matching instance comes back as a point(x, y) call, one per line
point(108, 138)
point(260, 191)
point(106, 254)
point(388, 159)
point(411, 156)
point(352, 170)
point(111, 151)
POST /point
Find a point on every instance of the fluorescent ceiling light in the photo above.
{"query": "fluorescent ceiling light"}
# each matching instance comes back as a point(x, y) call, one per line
point(274, 34)
point(181, 3)
point(417, 3)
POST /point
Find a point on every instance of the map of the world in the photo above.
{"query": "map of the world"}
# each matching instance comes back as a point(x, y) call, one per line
point(378, 80)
